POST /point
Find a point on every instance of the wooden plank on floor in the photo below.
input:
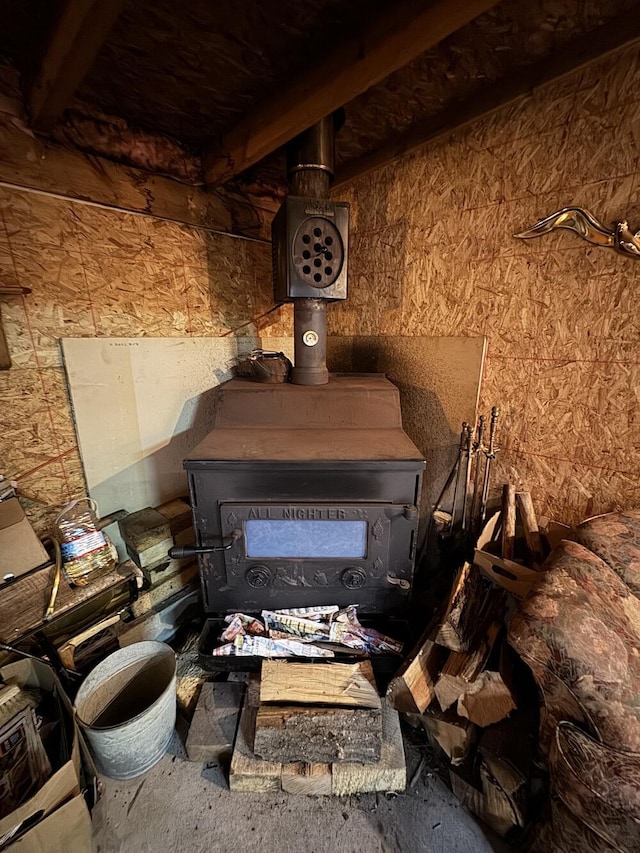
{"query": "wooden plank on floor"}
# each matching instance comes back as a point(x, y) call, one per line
point(249, 773)
point(351, 685)
point(388, 774)
point(309, 779)
point(213, 728)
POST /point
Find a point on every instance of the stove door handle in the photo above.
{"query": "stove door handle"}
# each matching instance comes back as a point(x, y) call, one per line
point(183, 552)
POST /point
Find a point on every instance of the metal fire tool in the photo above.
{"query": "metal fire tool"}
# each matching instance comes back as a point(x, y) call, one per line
point(478, 449)
point(467, 475)
point(457, 469)
point(440, 516)
point(490, 454)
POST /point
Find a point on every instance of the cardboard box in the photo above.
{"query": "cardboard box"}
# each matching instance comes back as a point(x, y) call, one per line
point(57, 816)
point(20, 548)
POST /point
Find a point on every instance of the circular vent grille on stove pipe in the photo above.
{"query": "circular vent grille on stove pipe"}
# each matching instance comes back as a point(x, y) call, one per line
point(318, 251)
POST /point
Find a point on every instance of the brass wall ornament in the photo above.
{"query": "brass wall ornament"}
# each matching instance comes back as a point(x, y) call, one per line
point(621, 238)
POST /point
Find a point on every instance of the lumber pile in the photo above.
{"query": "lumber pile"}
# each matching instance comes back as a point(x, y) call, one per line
point(317, 729)
point(459, 679)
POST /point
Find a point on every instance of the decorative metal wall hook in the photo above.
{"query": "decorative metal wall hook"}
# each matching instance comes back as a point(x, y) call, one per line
point(621, 238)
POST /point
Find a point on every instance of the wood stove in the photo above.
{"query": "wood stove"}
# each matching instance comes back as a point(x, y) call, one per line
point(307, 492)
point(312, 492)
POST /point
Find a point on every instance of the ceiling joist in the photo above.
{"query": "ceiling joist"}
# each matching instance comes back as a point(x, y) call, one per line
point(616, 34)
point(79, 34)
point(394, 39)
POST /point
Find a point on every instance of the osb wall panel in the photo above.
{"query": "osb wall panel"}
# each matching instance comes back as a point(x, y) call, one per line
point(433, 254)
point(94, 272)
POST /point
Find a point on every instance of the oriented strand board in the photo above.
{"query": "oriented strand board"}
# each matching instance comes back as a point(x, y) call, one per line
point(560, 315)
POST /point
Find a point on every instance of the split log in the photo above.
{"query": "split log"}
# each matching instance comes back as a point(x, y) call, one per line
point(412, 688)
point(508, 521)
point(501, 775)
point(505, 752)
point(291, 733)
point(492, 806)
point(462, 668)
point(351, 685)
point(455, 735)
point(387, 774)
point(310, 779)
point(530, 527)
point(472, 605)
point(488, 700)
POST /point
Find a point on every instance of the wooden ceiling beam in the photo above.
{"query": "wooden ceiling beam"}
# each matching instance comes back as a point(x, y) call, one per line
point(394, 39)
point(581, 52)
point(79, 34)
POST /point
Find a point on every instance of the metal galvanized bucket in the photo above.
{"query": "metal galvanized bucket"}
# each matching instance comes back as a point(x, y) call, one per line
point(127, 708)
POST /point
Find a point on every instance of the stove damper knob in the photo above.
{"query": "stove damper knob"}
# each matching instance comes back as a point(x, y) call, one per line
point(353, 578)
point(258, 576)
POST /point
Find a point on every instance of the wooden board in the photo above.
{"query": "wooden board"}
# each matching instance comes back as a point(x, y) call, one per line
point(387, 41)
point(249, 773)
point(314, 734)
point(387, 774)
point(213, 728)
point(310, 779)
point(30, 162)
point(155, 598)
point(351, 685)
point(147, 536)
point(81, 30)
point(23, 602)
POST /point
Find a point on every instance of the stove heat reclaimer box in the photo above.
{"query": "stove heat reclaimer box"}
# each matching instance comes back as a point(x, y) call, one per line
point(312, 492)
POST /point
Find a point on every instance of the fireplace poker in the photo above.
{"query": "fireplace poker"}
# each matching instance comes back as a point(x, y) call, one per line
point(477, 452)
point(490, 454)
point(467, 474)
point(458, 469)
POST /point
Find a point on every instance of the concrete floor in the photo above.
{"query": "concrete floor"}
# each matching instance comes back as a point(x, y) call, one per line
point(186, 807)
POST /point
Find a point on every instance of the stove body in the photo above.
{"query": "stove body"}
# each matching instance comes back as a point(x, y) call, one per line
point(314, 492)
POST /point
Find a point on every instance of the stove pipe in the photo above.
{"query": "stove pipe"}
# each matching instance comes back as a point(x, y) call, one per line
point(310, 163)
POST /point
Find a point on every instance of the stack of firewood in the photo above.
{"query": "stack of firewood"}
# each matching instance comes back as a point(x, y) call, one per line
point(318, 729)
point(458, 682)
